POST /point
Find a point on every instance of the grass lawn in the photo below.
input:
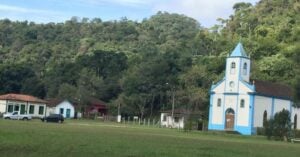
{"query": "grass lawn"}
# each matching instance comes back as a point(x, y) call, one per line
point(88, 139)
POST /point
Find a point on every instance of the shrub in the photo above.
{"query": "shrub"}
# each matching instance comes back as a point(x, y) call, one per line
point(279, 127)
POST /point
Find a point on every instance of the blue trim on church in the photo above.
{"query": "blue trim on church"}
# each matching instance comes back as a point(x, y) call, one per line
point(252, 87)
point(238, 51)
point(210, 126)
point(273, 107)
point(245, 130)
point(251, 113)
point(216, 85)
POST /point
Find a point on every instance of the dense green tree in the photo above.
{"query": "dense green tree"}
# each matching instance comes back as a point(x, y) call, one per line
point(141, 65)
point(16, 78)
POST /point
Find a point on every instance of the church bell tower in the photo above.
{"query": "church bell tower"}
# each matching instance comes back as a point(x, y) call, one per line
point(237, 69)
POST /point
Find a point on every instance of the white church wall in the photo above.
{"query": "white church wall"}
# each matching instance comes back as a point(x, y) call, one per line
point(243, 112)
point(220, 88)
point(2, 106)
point(243, 88)
point(245, 76)
point(261, 104)
point(296, 111)
point(232, 76)
point(230, 102)
point(280, 104)
point(217, 114)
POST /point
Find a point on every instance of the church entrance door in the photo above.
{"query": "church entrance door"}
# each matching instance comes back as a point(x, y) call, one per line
point(229, 119)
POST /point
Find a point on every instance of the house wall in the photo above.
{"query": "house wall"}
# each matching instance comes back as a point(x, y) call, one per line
point(2, 106)
point(35, 114)
point(65, 105)
point(170, 122)
point(162, 121)
point(50, 110)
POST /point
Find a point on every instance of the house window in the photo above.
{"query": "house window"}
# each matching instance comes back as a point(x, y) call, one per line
point(41, 110)
point(16, 108)
point(31, 109)
point(219, 102)
point(242, 104)
point(245, 69)
point(176, 119)
point(23, 110)
point(265, 119)
point(10, 108)
point(61, 110)
point(164, 118)
point(232, 68)
point(295, 121)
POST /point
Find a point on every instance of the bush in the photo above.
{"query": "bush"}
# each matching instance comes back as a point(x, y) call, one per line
point(296, 133)
point(279, 127)
point(261, 131)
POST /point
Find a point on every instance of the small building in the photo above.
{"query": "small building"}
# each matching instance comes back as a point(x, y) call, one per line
point(60, 106)
point(25, 104)
point(240, 104)
point(96, 106)
point(177, 121)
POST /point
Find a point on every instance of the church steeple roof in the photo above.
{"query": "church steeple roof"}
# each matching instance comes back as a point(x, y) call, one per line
point(238, 51)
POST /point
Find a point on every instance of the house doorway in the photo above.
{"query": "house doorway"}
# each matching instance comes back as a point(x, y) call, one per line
point(68, 113)
point(229, 119)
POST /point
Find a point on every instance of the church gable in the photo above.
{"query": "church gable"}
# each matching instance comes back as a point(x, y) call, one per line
point(219, 87)
point(245, 87)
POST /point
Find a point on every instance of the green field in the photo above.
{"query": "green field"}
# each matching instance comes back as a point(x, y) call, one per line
point(89, 138)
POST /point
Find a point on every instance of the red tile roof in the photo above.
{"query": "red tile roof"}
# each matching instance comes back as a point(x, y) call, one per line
point(94, 101)
point(53, 102)
point(21, 97)
point(272, 89)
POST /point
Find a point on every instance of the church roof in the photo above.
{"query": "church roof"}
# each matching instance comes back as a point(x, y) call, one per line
point(238, 51)
point(272, 89)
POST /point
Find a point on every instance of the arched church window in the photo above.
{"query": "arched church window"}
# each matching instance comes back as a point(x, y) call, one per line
point(265, 119)
point(219, 102)
point(295, 121)
point(242, 104)
point(232, 68)
point(245, 69)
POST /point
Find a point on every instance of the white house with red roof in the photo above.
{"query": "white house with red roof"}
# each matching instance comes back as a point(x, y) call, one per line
point(25, 104)
point(60, 106)
point(240, 104)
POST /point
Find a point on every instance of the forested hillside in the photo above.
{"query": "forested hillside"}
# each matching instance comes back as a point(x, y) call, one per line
point(140, 65)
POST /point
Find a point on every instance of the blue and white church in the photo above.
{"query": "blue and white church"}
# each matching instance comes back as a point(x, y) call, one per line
point(240, 104)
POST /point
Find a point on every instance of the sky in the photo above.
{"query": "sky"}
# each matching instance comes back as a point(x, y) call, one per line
point(43, 11)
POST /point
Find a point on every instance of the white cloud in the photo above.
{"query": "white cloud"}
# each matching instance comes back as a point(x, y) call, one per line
point(16, 9)
point(205, 11)
point(128, 3)
point(36, 15)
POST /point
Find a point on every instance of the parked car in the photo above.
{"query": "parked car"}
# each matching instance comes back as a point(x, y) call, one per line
point(53, 118)
point(17, 115)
